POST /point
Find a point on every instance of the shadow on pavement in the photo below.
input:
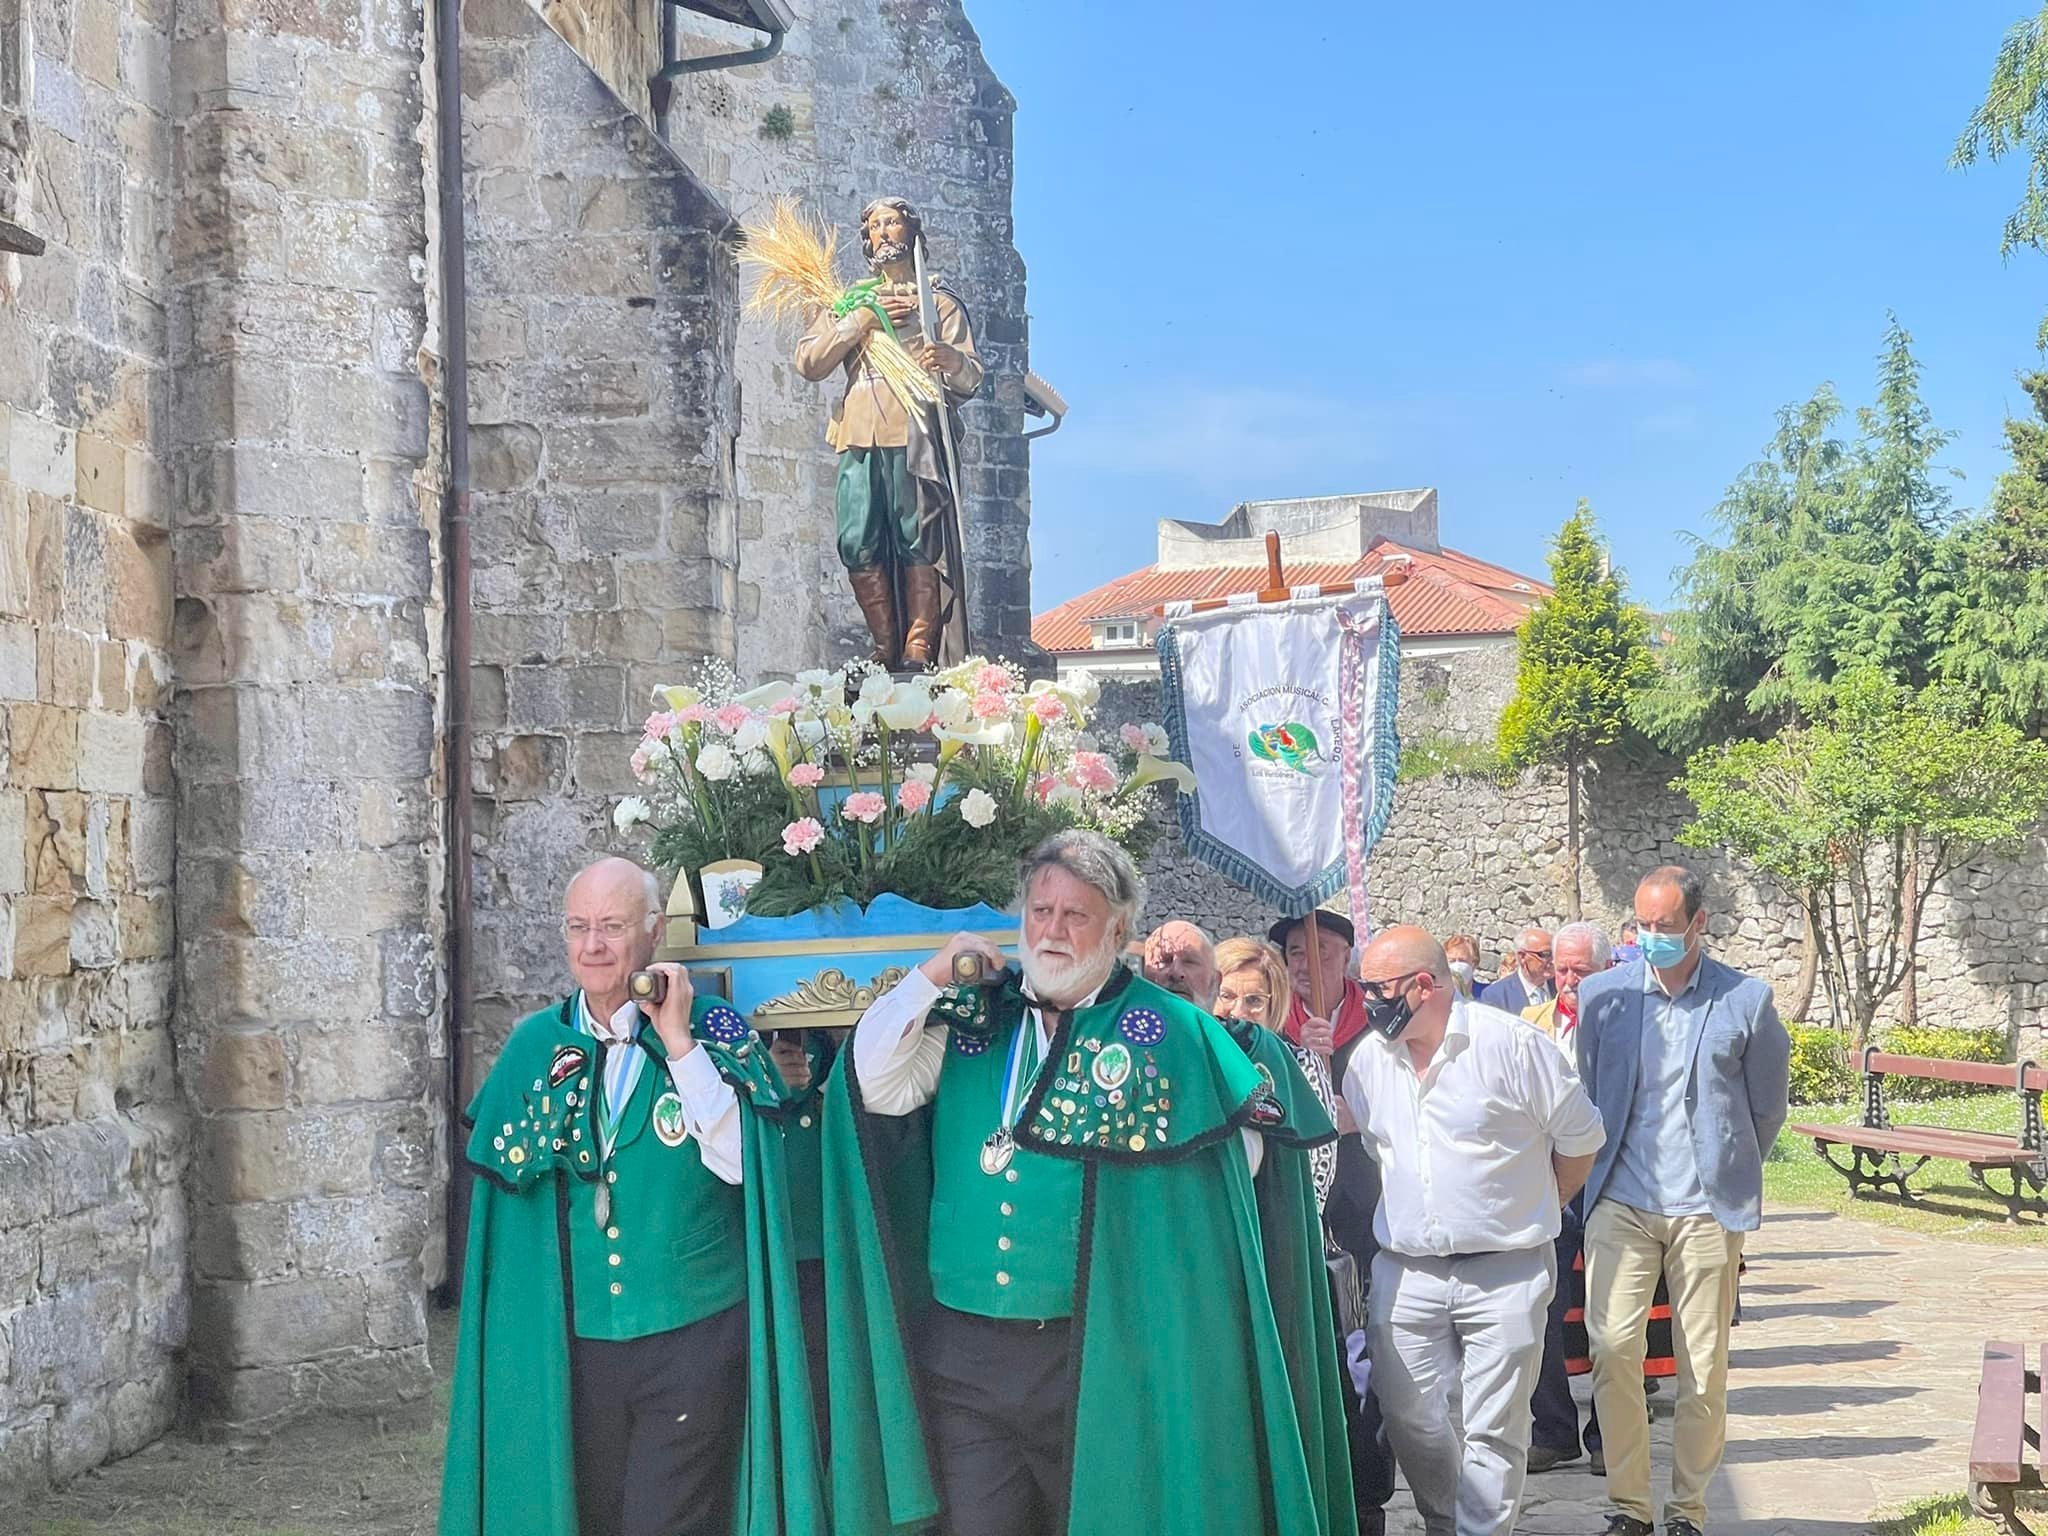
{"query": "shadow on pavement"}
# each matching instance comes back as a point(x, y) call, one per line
point(1771, 1357)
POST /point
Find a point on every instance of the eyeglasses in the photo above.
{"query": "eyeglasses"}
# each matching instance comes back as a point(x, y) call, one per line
point(611, 930)
point(1381, 991)
point(1251, 1002)
point(1533, 954)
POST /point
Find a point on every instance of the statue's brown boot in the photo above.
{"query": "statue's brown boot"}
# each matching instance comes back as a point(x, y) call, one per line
point(921, 621)
point(877, 598)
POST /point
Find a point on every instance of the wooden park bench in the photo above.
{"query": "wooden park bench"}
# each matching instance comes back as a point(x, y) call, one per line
point(1881, 1153)
point(1998, 1448)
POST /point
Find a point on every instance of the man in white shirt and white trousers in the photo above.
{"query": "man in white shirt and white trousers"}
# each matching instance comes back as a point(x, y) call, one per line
point(1481, 1131)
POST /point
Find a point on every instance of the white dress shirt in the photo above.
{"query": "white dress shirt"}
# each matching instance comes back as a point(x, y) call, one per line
point(1464, 1148)
point(899, 1064)
point(711, 1110)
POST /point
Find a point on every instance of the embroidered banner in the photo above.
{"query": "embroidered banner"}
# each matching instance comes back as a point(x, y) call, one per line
point(1285, 712)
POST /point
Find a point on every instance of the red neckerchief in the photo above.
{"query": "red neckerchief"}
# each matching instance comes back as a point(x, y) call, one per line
point(1349, 1022)
point(1567, 1016)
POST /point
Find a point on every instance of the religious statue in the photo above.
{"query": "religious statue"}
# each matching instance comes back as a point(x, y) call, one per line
point(898, 503)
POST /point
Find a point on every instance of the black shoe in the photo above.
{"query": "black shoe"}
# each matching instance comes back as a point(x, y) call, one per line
point(1619, 1524)
point(1677, 1525)
point(1543, 1458)
point(1598, 1466)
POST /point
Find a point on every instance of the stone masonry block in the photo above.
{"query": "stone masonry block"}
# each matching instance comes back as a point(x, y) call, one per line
point(110, 753)
point(40, 456)
point(17, 661)
point(372, 733)
point(42, 746)
point(277, 1322)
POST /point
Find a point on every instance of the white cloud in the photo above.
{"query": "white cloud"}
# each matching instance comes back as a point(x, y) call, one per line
point(1629, 373)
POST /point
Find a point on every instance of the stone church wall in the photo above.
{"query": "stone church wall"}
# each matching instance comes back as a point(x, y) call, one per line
point(604, 409)
point(94, 1234)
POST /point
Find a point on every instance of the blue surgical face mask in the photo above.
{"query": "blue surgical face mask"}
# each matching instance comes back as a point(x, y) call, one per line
point(1664, 950)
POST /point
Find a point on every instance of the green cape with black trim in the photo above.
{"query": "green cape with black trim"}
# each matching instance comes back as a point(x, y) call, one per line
point(1185, 1416)
point(510, 1468)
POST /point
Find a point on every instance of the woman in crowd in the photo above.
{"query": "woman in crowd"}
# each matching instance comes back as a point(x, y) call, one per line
point(1253, 988)
point(1462, 950)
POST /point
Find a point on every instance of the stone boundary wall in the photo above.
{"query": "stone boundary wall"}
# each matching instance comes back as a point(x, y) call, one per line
point(1473, 856)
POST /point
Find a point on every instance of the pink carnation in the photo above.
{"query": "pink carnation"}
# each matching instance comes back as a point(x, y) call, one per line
point(802, 836)
point(1048, 707)
point(1133, 738)
point(659, 724)
point(1042, 787)
point(993, 679)
point(914, 796)
point(783, 706)
point(1092, 771)
point(692, 714)
point(731, 717)
point(806, 776)
point(990, 706)
point(867, 806)
point(641, 755)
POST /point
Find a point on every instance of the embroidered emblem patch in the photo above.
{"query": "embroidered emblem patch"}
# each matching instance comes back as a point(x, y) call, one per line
point(1267, 1110)
point(1112, 1068)
point(969, 1045)
point(668, 1119)
point(724, 1025)
point(568, 1062)
point(1142, 1026)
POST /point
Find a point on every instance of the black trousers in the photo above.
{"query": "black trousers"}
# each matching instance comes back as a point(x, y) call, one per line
point(1001, 1398)
point(810, 1286)
point(1557, 1416)
point(658, 1423)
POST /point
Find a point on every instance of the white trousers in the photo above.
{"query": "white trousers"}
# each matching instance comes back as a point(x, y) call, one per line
point(1469, 1329)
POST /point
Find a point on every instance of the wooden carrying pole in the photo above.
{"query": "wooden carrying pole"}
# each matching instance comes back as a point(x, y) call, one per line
point(1276, 590)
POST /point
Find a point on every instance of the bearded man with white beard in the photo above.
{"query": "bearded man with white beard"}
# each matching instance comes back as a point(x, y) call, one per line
point(1047, 1307)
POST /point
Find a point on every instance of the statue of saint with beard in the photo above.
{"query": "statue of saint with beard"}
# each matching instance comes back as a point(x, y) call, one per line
point(898, 516)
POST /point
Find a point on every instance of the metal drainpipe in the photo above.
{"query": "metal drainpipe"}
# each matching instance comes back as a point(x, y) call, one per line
point(455, 553)
point(661, 87)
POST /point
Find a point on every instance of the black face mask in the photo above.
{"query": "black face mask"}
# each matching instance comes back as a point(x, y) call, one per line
point(1387, 1016)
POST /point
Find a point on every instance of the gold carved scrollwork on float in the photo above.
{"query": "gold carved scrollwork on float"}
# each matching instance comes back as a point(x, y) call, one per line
point(831, 992)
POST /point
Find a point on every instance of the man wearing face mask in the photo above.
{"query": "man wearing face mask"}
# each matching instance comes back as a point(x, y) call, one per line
point(1481, 1133)
point(1687, 1061)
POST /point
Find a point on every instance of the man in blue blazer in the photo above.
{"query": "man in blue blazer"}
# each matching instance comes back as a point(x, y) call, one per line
point(1530, 983)
point(1686, 1060)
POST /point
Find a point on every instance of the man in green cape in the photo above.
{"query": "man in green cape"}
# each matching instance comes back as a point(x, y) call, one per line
point(630, 1359)
point(1043, 1252)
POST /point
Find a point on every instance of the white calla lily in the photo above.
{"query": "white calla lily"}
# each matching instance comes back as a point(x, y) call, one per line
point(678, 697)
point(1156, 770)
point(906, 709)
point(767, 695)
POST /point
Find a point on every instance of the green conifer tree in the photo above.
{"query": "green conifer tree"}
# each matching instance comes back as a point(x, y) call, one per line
point(1583, 651)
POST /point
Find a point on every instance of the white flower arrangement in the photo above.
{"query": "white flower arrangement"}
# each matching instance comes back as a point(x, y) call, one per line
point(846, 785)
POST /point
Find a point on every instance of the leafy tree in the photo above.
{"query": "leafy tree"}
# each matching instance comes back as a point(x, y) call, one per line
point(2014, 112)
point(1860, 814)
point(1996, 640)
point(1832, 557)
point(1583, 652)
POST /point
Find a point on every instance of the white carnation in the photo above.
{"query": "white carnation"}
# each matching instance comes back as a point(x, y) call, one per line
point(631, 811)
point(978, 809)
point(715, 762)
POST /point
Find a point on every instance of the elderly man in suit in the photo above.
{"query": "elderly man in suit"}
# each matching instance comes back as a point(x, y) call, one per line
point(1686, 1059)
point(1529, 983)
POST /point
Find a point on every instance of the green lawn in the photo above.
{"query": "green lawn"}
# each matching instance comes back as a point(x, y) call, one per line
point(1947, 1202)
point(1949, 1515)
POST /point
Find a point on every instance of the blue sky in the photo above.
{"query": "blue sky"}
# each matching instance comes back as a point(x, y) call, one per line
point(1519, 253)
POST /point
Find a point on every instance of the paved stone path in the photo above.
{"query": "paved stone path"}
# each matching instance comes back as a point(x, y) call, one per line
point(1852, 1382)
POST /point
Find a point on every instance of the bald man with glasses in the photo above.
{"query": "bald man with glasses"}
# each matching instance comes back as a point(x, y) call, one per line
point(1481, 1132)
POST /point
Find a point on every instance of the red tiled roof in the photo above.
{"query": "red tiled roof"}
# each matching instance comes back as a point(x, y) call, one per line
point(1447, 593)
